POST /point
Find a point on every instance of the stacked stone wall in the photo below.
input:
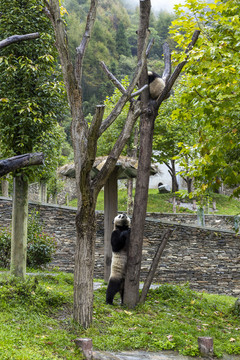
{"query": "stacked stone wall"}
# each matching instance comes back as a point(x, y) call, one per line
point(207, 258)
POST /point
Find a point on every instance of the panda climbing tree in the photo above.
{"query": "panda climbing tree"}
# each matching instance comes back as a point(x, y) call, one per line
point(119, 241)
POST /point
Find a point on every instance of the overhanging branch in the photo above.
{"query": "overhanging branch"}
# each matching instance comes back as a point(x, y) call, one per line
point(17, 38)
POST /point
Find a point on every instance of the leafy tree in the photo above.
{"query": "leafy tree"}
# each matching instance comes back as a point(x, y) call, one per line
point(122, 45)
point(170, 134)
point(28, 112)
point(213, 96)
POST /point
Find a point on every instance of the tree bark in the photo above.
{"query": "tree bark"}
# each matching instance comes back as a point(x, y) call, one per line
point(19, 227)
point(84, 266)
point(110, 208)
point(131, 292)
point(20, 161)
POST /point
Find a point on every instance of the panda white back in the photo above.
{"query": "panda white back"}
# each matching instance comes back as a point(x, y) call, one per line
point(156, 84)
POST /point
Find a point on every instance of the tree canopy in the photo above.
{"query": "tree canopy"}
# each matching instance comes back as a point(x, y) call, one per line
point(211, 98)
point(32, 93)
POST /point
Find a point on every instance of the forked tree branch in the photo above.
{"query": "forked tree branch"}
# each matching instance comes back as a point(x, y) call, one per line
point(17, 38)
point(127, 96)
point(177, 70)
point(113, 78)
point(81, 49)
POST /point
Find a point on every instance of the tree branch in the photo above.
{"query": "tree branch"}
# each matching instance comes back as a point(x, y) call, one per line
point(167, 61)
point(20, 161)
point(113, 78)
point(93, 134)
point(177, 70)
point(125, 97)
point(17, 38)
point(81, 49)
point(136, 93)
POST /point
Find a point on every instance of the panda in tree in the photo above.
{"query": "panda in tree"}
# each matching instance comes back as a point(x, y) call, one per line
point(119, 241)
point(156, 84)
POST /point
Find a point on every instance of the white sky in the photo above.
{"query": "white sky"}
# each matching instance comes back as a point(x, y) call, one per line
point(165, 4)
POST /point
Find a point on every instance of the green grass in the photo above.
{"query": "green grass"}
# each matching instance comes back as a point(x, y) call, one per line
point(161, 203)
point(36, 320)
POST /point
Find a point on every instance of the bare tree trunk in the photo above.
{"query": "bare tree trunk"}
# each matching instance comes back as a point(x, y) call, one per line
point(131, 292)
point(133, 154)
point(43, 192)
point(129, 196)
point(174, 177)
point(84, 266)
point(110, 211)
point(19, 227)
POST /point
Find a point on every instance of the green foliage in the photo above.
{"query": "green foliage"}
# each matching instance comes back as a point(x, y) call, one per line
point(212, 91)
point(122, 45)
point(114, 40)
point(33, 95)
point(30, 293)
point(5, 247)
point(40, 246)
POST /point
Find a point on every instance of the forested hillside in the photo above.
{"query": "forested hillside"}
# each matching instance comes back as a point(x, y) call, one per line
point(114, 41)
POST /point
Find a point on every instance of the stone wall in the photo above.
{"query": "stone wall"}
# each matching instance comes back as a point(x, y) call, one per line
point(208, 258)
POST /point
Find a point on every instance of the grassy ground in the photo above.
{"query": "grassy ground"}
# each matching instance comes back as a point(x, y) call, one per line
point(161, 203)
point(36, 320)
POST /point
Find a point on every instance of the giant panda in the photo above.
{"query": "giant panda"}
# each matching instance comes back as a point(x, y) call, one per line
point(156, 84)
point(119, 241)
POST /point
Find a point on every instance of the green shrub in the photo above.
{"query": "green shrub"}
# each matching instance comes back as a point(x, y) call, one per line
point(40, 245)
point(29, 293)
point(5, 247)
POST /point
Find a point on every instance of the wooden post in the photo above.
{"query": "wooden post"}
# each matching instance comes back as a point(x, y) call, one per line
point(174, 205)
point(110, 211)
point(205, 345)
point(86, 346)
point(154, 265)
point(19, 227)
